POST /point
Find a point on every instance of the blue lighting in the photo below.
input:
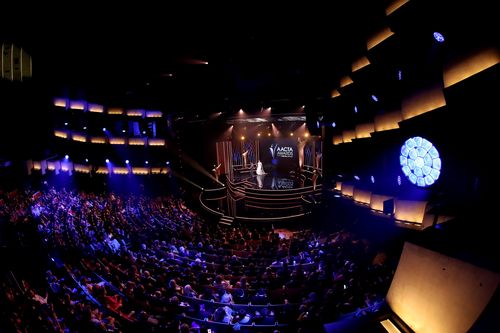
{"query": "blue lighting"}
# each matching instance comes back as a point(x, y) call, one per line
point(438, 37)
point(104, 129)
point(66, 157)
point(400, 75)
point(127, 162)
point(420, 162)
point(372, 179)
point(168, 162)
point(355, 109)
point(375, 98)
point(317, 124)
point(107, 160)
point(334, 124)
point(356, 177)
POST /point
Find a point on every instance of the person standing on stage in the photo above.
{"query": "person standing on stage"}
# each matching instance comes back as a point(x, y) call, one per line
point(260, 169)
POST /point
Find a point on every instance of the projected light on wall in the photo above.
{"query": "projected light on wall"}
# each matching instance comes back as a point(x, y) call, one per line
point(420, 161)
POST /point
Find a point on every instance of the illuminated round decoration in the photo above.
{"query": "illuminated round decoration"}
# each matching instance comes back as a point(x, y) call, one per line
point(420, 161)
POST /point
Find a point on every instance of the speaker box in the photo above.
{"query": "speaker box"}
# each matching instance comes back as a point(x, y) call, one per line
point(389, 207)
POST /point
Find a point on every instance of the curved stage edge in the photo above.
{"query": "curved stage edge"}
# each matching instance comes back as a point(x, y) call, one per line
point(248, 197)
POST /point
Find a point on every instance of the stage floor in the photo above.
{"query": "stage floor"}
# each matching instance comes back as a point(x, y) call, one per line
point(271, 181)
point(275, 196)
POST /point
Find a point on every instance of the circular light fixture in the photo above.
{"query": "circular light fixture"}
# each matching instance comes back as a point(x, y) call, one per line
point(420, 161)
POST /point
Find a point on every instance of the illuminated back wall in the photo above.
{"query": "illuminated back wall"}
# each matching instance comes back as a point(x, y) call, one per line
point(279, 154)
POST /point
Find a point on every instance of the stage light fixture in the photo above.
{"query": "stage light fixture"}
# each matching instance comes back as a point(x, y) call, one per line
point(372, 179)
point(107, 160)
point(104, 129)
point(438, 37)
point(420, 161)
point(334, 124)
point(84, 127)
point(65, 124)
point(355, 109)
point(375, 99)
point(66, 157)
point(127, 161)
point(147, 162)
point(87, 160)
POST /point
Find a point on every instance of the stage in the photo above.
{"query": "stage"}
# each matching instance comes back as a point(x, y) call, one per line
point(270, 197)
point(274, 180)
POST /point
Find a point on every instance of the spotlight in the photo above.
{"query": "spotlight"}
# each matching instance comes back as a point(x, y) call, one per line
point(306, 135)
point(355, 109)
point(168, 163)
point(147, 162)
point(258, 134)
point(356, 177)
point(291, 133)
point(143, 132)
point(104, 129)
point(66, 157)
point(242, 138)
point(107, 160)
point(65, 124)
point(438, 37)
point(334, 124)
point(123, 131)
point(87, 160)
point(400, 75)
point(372, 179)
point(84, 127)
point(374, 98)
point(268, 134)
point(127, 162)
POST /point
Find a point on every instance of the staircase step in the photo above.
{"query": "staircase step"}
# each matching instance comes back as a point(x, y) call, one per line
point(226, 220)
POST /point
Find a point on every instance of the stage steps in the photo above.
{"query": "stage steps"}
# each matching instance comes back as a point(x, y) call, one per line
point(226, 220)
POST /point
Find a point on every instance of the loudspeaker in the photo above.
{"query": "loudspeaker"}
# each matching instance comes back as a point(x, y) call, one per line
point(389, 206)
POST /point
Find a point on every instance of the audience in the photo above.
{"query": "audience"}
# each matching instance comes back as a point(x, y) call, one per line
point(124, 259)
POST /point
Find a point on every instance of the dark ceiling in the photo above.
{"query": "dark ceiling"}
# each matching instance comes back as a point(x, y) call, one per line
point(153, 56)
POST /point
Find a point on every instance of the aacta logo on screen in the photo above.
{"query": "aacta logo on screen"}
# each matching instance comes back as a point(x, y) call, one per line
point(277, 151)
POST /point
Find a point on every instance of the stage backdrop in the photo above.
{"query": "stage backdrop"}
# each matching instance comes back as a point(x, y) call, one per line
point(279, 154)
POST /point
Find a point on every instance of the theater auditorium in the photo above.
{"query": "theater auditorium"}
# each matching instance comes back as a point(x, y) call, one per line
point(308, 168)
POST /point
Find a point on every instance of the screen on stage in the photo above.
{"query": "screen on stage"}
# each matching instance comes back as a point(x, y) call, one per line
point(279, 154)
